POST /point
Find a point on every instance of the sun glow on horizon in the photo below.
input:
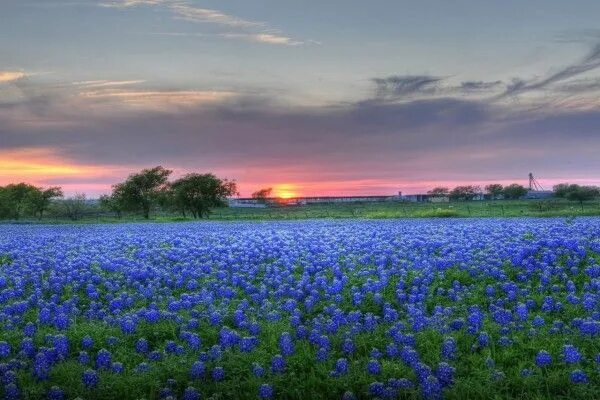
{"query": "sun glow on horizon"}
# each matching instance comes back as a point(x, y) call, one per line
point(285, 191)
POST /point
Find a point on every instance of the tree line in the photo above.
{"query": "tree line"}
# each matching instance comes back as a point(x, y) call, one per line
point(515, 191)
point(143, 192)
point(196, 194)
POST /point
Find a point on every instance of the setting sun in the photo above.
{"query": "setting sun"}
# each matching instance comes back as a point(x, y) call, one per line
point(285, 191)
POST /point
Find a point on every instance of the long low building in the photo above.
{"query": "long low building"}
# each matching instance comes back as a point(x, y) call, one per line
point(299, 201)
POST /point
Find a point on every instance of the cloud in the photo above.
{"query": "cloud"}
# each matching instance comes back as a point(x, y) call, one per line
point(588, 63)
point(402, 85)
point(105, 83)
point(268, 38)
point(250, 31)
point(479, 85)
point(11, 76)
point(157, 99)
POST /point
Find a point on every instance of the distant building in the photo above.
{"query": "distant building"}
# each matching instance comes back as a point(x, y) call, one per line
point(539, 194)
point(299, 201)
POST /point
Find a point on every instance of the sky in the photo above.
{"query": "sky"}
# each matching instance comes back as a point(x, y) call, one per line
point(328, 97)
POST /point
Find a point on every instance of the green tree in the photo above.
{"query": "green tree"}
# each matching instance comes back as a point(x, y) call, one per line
point(142, 191)
point(75, 206)
point(514, 191)
point(582, 193)
point(113, 202)
point(17, 198)
point(464, 192)
point(495, 190)
point(439, 192)
point(562, 189)
point(40, 200)
point(263, 194)
point(198, 193)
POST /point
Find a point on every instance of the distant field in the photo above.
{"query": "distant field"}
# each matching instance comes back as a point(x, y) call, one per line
point(383, 210)
point(416, 210)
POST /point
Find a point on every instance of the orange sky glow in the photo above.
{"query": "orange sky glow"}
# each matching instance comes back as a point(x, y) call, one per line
point(46, 167)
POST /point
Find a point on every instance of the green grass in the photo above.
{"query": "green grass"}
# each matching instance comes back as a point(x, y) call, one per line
point(381, 210)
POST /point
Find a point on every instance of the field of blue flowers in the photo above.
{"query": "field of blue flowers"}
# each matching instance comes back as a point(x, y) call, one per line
point(457, 309)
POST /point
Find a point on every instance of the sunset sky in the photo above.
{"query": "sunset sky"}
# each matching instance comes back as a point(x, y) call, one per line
point(309, 97)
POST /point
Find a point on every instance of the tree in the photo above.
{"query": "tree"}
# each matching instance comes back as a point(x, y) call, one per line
point(562, 189)
point(495, 190)
point(141, 191)
point(464, 192)
point(514, 191)
point(582, 193)
point(262, 194)
point(113, 202)
point(198, 193)
point(17, 198)
point(439, 192)
point(75, 206)
point(40, 200)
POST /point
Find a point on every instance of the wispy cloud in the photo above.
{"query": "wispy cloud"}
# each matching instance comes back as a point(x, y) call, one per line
point(589, 63)
point(106, 83)
point(248, 30)
point(157, 99)
point(269, 38)
point(10, 76)
point(403, 85)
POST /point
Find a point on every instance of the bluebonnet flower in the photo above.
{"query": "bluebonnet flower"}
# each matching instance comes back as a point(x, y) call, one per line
point(578, 376)
point(431, 388)
point(155, 355)
point(218, 374)
point(445, 374)
point(257, 369)
point(191, 393)
point(197, 370)
point(374, 367)
point(90, 378)
point(376, 389)
point(286, 344)
point(87, 342)
point(341, 367)
point(12, 392)
point(83, 358)
point(348, 347)
point(142, 346)
point(56, 393)
point(142, 367)
point(526, 372)
point(266, 391)
point(5, 349)
point(41, 367)
point(103, 359)
point(543, 359)
point(278, 364)
point(449, 348)
point(571, 354)
point(117, 368)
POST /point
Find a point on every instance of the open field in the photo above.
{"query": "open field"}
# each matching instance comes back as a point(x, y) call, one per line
point(381, 210)
point(322, 309)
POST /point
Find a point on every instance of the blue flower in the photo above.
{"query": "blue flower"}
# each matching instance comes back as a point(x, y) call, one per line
point(543, 359)
point(218, 374)
point(191, 393)
point(266, 391)
point(198, 370)
point(90, 378)
point(278, 364)
point(578, 376)
point(571, 354)
point(103, 359)
point(56, 393)
point(374, 367)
